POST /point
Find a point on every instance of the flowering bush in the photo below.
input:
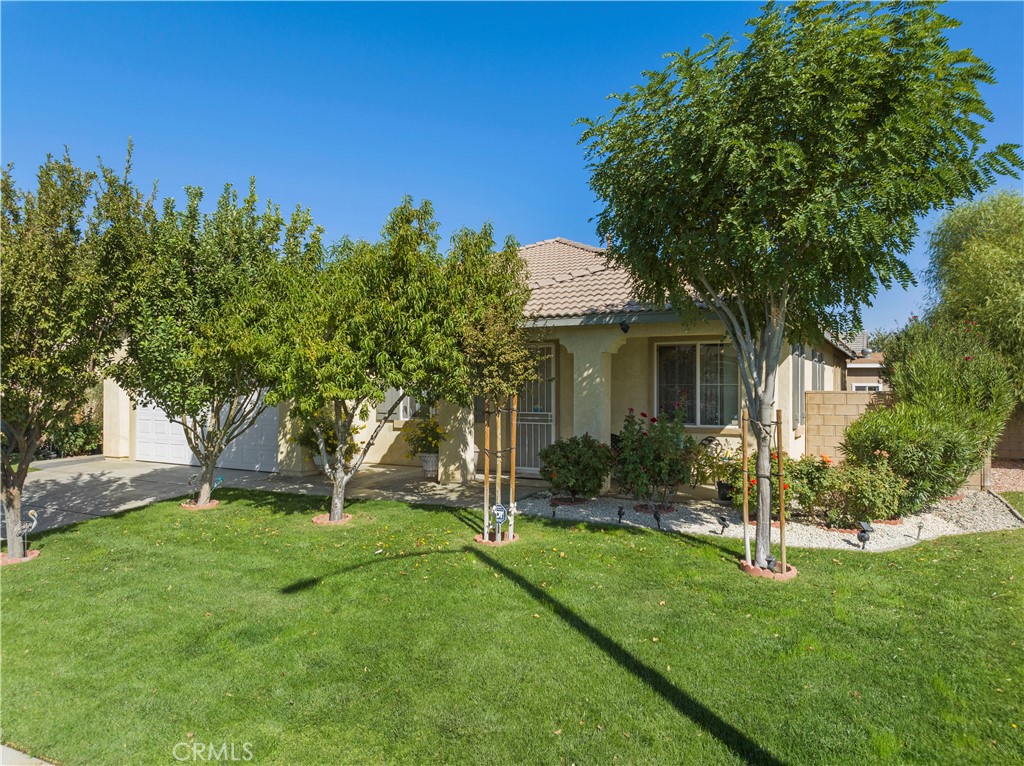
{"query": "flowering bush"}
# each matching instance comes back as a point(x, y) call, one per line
point(841, 495)
point(654, 457)
point(423, 436)
point(577, 466)
point(790, 481)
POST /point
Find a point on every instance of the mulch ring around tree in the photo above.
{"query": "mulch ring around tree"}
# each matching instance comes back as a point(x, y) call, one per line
point(190, 506)
point(324, 520)
point(29, 556)
point(756, 571)
point(649, 508)
point(491, 541)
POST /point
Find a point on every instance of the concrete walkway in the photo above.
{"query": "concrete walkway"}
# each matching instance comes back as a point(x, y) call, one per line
point(9, 757)
point(68, 491)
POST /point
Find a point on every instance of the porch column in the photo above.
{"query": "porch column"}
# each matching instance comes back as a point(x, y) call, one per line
point(592, 350)
point(455, 458)
point(117, 421)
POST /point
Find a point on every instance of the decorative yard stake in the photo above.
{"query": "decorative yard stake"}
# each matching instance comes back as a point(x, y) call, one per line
point(782, 491)
point(513, 414)
point(746, 490)
point(487, 463)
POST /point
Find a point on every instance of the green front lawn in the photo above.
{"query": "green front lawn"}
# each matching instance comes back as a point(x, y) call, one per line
point(586, 645)
point(1016, 499)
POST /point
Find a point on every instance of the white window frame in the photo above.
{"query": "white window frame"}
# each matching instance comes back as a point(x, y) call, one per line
point(867, 386)
point(696, 382)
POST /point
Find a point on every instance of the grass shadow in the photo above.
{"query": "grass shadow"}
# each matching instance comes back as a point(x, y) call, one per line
point(734, 739)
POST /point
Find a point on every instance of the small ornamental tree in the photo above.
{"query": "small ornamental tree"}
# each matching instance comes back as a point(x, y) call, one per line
point(60, 304)
point(361, 319)
point(778, 186)
point(200, 341)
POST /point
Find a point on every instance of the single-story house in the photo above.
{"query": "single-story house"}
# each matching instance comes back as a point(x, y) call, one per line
point(599, 353)
point(864, 369)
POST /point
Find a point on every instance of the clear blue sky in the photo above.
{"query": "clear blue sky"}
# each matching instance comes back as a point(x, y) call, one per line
point(345, 108)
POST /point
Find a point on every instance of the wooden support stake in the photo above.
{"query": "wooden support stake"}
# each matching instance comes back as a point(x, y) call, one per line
point(782, 492)
point(487, 466)
point(746, 489)
point(497, 459)
point(512, 469)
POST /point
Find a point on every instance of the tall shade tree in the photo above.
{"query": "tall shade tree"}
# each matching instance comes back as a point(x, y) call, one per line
point(977, 274)
point(68, 247)
point(779, 185)
point(200, 342)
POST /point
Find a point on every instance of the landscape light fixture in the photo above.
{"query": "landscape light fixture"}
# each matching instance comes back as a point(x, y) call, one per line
point(865, 534)
point(622, 512)
point(770, 561)
point(624, 326)
point(920, 526)
point(657, 517)
point(724, 521)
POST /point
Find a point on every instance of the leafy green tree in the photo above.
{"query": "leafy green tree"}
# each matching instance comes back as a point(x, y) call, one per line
point(361, 319)
point(778, 185)
point(66, 248)
point(977, 273)
point(200, 342)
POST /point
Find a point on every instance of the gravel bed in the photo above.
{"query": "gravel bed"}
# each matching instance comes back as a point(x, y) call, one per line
point(1008, 475)
point(976, 512)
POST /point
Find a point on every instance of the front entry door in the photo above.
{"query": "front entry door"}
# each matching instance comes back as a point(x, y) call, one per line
point(535, 428)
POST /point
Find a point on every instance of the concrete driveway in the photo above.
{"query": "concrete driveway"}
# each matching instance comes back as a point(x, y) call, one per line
point(77, 489)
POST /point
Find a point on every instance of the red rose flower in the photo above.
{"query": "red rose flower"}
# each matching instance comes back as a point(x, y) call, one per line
point(643, 414)
point(654, 420)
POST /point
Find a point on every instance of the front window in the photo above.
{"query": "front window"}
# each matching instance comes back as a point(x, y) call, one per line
point(700, 380)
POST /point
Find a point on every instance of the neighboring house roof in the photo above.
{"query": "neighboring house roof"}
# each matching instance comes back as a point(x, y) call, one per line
point(858, 342)
point(570, 279)
point(874, 359)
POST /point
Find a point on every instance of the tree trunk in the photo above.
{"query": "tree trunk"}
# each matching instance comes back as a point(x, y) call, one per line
point(209, 467)
point(12, 506)
point(764, 489)
point(341, 478)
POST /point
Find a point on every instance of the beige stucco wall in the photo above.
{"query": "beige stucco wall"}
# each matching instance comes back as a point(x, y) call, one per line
point(1011, 443)
point(863, 376)
point(118, 422)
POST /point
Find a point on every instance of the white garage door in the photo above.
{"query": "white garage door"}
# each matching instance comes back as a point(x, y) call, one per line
point(157, 440)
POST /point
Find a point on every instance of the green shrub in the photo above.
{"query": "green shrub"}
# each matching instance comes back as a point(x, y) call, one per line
point(423, 436)
point(932, 454)
point(948, 368)
point(81, 438)
point(653, 458)
point(577, 466)
point(841, 495)
point(953, 398)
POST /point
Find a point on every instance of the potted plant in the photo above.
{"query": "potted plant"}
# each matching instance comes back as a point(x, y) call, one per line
point(719, 471)
point(423, 437)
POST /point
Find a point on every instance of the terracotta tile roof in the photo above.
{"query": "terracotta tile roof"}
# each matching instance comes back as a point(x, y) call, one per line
point(569, 278)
